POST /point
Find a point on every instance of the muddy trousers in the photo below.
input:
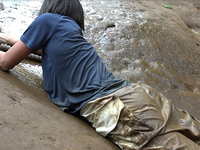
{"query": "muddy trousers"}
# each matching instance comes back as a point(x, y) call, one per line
point(149, 120)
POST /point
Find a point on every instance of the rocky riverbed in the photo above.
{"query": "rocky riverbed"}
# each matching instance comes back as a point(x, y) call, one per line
point(141, 41)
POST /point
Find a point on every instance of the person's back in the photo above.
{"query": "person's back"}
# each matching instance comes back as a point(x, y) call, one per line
point(73, 72)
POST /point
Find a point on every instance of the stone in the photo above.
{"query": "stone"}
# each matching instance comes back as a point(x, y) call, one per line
point(140, 41)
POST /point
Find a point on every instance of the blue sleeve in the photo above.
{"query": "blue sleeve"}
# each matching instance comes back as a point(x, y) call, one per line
point(40, 30)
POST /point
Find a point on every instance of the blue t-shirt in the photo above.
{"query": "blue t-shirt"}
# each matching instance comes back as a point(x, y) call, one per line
point(73, 72)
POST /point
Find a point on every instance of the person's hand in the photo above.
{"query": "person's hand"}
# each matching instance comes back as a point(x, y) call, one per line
point(11, 39)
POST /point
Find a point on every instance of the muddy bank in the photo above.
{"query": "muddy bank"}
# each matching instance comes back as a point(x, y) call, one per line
point(28, 120)
point(141, 41)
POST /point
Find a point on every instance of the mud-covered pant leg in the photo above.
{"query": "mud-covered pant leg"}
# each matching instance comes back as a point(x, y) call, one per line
point(148, 114)
point(171, 141)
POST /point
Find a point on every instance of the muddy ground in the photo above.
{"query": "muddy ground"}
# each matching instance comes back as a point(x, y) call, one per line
point(28, 120)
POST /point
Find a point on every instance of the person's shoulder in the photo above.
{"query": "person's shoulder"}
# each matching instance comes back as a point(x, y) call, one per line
point(47, 19)
point(52, 17)
point(49, 16)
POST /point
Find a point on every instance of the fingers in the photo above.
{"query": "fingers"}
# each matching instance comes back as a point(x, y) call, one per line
point(11, 39)
point(3, 36)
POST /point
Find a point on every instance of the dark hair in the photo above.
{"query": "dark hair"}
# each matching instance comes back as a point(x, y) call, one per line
point(70, 8)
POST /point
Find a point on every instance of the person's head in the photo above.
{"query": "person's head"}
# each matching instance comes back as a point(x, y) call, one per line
point(70, 8)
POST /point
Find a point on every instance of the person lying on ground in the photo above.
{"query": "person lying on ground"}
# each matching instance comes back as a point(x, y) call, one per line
point(132, 115)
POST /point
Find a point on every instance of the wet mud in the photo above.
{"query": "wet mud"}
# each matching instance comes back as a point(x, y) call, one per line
point(140, 41)
point(144, 42)
point(28, 120)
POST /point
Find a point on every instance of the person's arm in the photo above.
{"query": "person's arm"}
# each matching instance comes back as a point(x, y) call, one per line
point(11, 40)
point(14, 55)
point(39, 52)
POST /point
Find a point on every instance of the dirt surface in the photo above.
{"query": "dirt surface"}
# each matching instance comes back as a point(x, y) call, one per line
point(28, 120)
